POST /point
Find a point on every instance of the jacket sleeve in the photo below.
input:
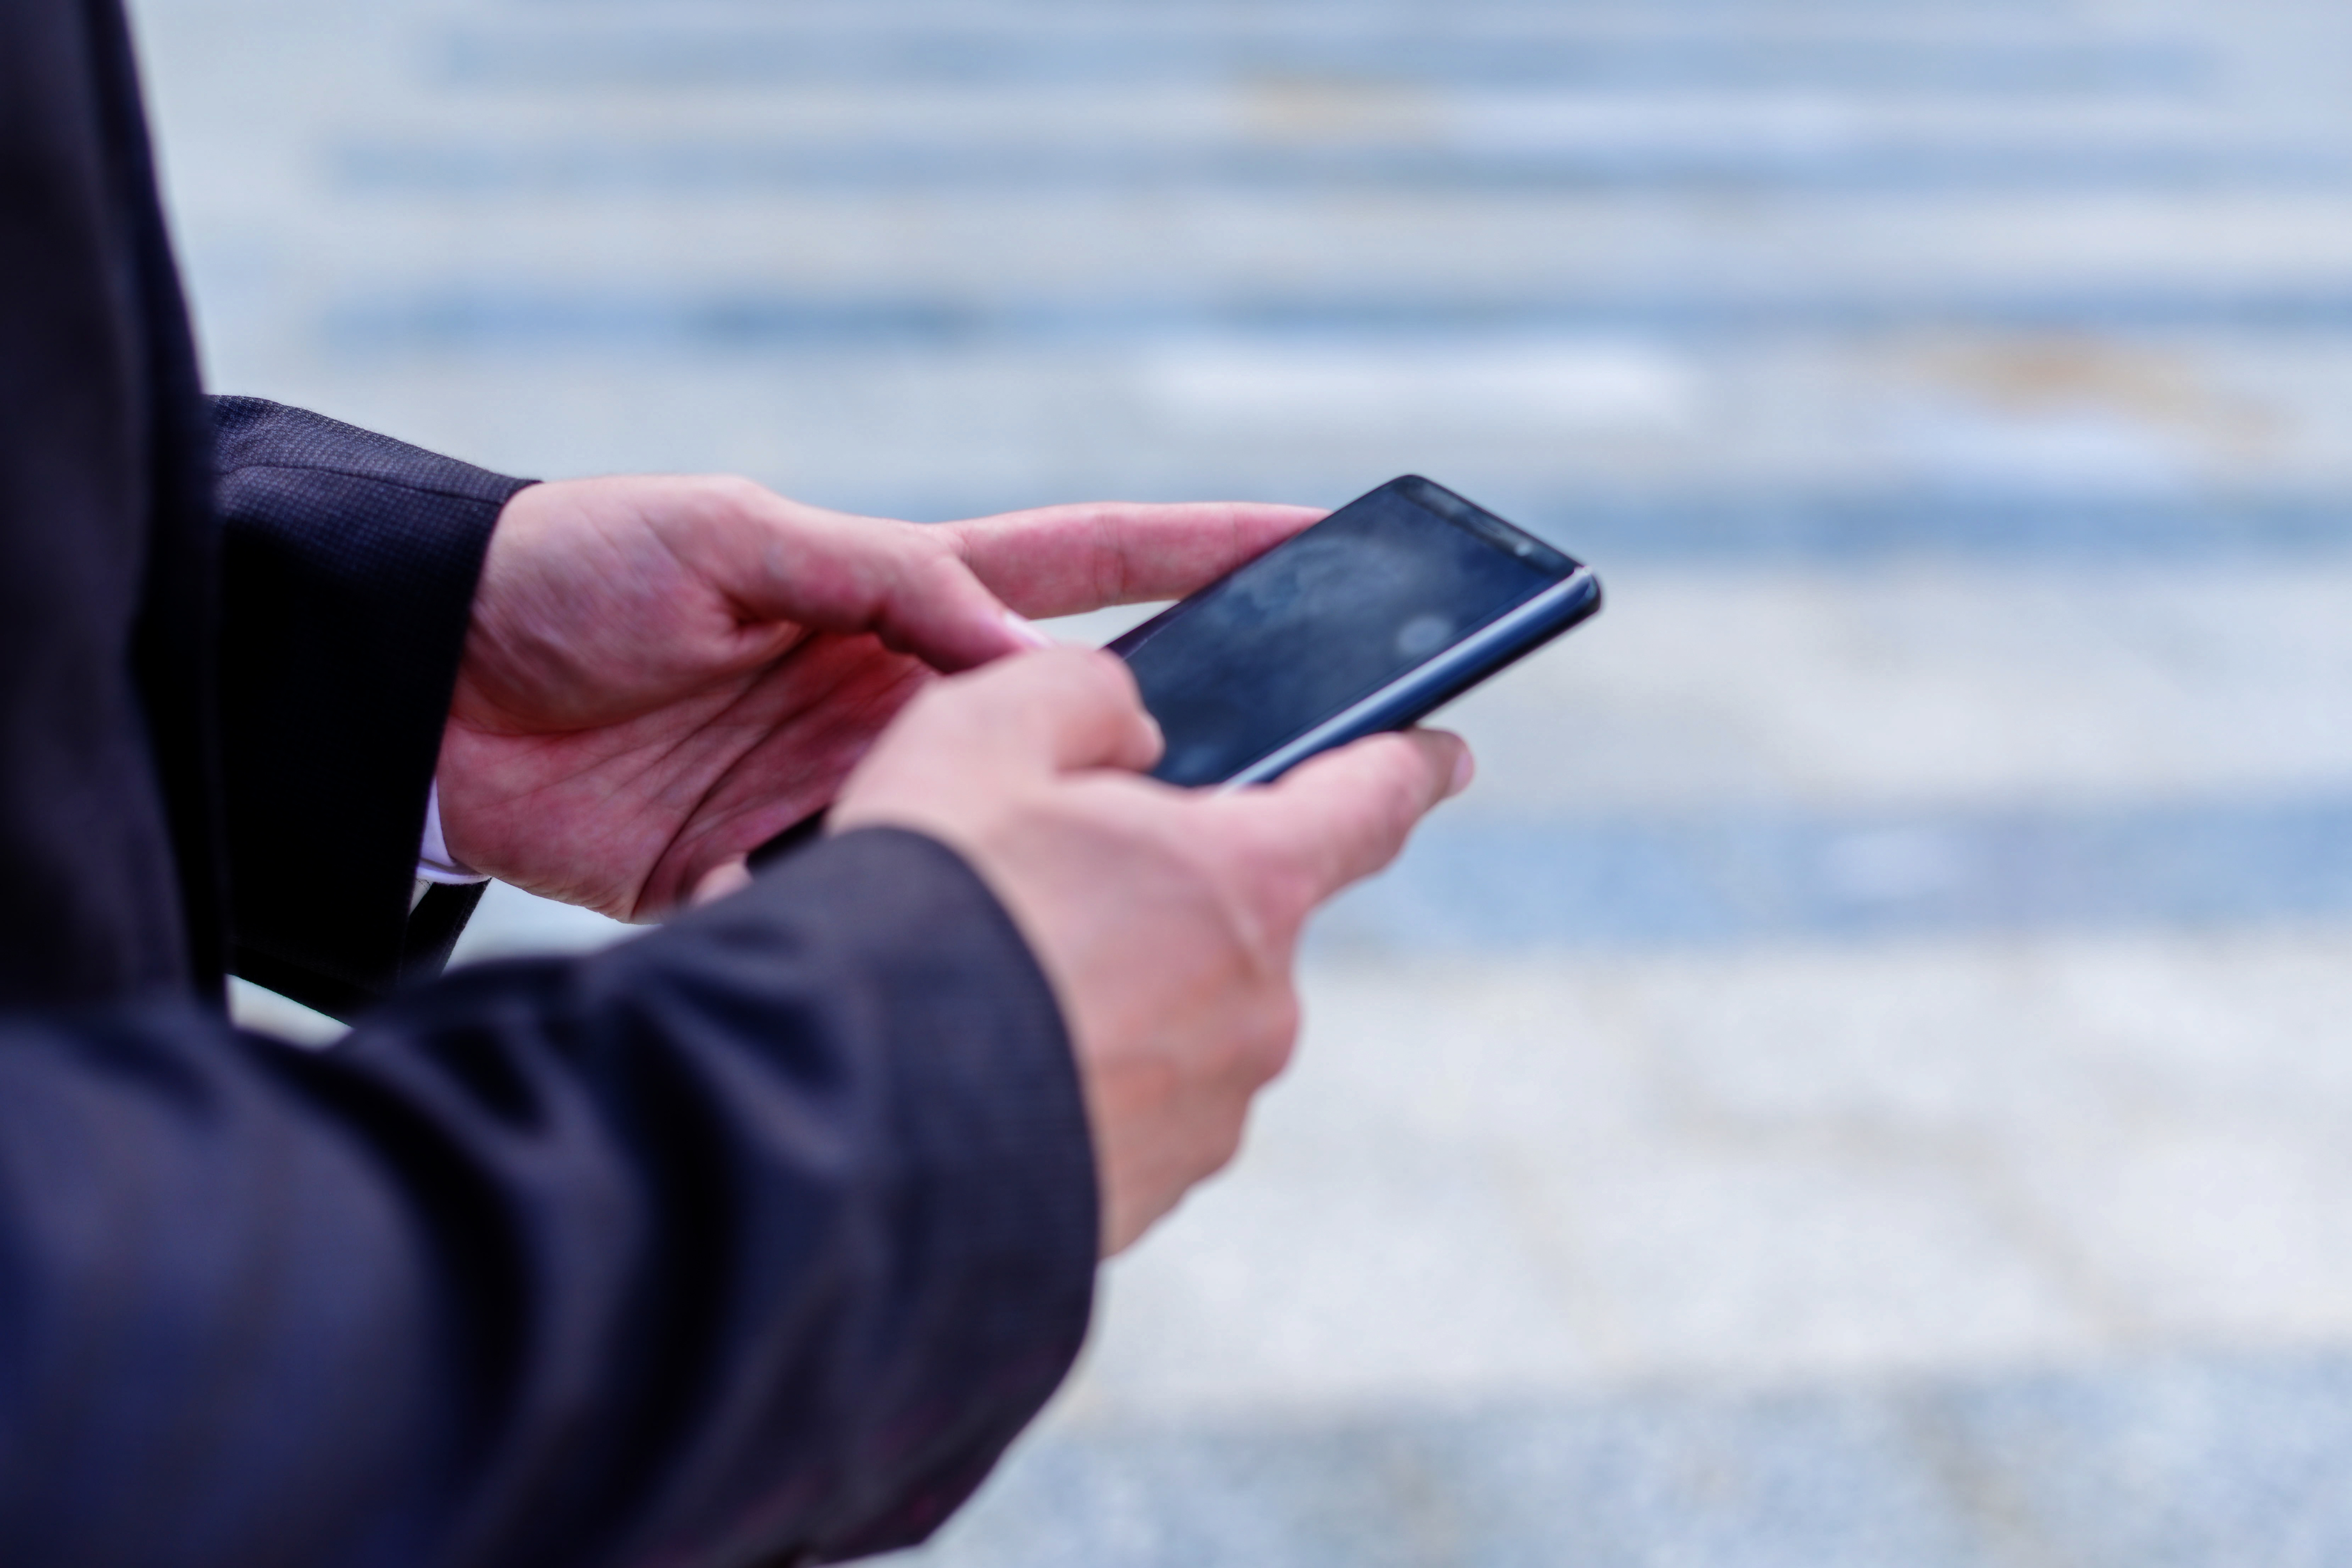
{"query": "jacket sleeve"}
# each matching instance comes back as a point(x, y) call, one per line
point(754, 1240)
point(349, 562)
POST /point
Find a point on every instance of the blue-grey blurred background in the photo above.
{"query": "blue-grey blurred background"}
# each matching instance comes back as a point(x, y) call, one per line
point(1865, 1078)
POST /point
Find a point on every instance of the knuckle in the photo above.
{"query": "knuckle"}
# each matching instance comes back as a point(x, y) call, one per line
point(931, 560)
point(1259, 1042)
point(1276, 873)
point(1268, 887)
point(1287, 888)
point(1278, 1034)
point(920, 576)
point(1197, 856)
point(1395, 797)
point(1220, 1144)
point(1201, 861)
point(1099, 681)
point(1106, 671)
point(733, 492)
point(1406, 796)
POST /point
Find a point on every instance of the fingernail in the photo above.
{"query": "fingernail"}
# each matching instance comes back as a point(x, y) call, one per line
point(1028, 631)
point(1465, 770)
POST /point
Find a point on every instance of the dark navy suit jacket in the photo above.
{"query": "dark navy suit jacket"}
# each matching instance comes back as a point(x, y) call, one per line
point(755, 1239)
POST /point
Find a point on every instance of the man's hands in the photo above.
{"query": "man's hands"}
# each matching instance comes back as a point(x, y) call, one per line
point(663, 673)
point(1167, 919)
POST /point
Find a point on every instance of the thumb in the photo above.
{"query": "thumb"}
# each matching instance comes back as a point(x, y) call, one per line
point(907, 583)
point(1053, 712)
point(1346, 814)
point(934, 607)
point(1059, 711)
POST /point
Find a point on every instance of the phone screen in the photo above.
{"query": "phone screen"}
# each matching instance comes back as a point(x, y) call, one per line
point(1324, 620)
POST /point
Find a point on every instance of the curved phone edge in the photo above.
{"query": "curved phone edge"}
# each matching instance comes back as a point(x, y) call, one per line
point(1422, 691)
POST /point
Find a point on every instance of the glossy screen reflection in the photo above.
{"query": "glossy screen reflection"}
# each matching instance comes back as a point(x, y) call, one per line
point(1314, 626)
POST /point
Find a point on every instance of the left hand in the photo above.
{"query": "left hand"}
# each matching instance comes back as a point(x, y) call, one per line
point(662, 674)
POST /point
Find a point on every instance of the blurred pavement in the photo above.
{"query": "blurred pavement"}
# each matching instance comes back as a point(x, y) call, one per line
point(1864, 1078)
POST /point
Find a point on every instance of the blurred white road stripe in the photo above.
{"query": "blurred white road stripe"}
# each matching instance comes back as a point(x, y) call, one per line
point(1356, 389)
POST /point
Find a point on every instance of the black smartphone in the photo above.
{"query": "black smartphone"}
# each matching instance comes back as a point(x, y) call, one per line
point(1370, 619)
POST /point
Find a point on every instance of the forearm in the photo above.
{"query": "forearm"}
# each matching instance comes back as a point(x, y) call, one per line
point(760, 1236)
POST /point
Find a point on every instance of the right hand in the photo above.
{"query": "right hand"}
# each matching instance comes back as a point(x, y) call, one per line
point(1166, 919)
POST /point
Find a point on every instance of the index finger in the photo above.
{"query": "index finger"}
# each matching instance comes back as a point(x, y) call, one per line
point(1346, 814)
point(1066, 559)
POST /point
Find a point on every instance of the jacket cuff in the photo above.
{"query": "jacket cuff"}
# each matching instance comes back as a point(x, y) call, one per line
point(349, 562)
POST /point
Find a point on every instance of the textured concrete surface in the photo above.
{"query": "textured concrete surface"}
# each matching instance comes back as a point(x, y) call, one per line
point(1862, 1079)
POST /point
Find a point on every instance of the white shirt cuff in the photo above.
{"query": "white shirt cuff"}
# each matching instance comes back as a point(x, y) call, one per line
point(434, 861)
